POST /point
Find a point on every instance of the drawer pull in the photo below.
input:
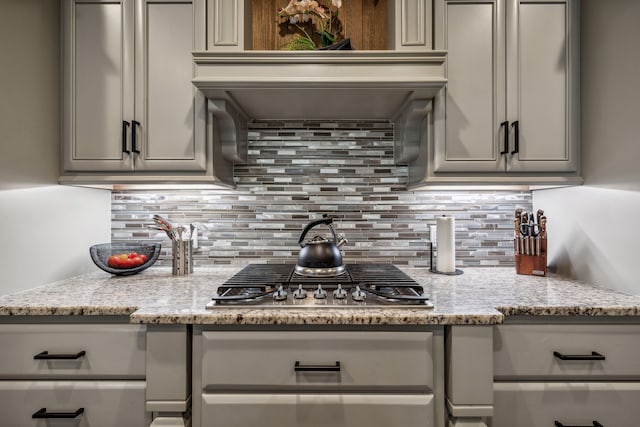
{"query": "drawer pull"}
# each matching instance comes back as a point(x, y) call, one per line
point(316, 368)
point(46, 356)
point(592, 356)
point(42, 413)
point(125, 125)
point(134, 144)
point(505, 125)
point(595, 424)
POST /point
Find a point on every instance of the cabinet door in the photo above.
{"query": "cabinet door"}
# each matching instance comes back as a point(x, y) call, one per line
point(366, 360)
point(165, 97)
point(469, 137)
point(78, 404)
point(101, 351)
point(533, 352)
point(316, 410)
point(571, 404)
point(98, 84)
point(542, 85)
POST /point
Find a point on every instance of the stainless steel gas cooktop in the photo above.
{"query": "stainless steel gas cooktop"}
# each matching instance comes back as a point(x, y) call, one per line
point(361, 285)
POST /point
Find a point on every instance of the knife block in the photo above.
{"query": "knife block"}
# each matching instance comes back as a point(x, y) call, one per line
point(533, 265)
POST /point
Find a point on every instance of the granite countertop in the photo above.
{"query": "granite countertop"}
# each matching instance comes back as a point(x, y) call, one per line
point(481, 296)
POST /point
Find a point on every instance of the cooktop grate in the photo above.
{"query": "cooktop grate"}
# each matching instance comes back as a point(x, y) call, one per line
point(262, 284)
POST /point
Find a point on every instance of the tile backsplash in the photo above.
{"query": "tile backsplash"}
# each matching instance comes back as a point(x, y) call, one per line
point(297, 171)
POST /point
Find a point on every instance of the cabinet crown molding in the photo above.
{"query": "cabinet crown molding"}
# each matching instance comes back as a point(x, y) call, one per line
point(320, 85)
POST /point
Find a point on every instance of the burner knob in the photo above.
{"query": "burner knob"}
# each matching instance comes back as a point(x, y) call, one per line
point(339, 293)
point(358, 294)
point(280, 294)
point(300, 293)
point(320, 293)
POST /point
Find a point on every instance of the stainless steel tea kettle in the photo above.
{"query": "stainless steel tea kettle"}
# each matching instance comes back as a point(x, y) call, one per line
point(320, 257)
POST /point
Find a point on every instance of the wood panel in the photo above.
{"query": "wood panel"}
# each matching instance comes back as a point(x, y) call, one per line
point(264, 24)
point(363, 21)
point(374, 25)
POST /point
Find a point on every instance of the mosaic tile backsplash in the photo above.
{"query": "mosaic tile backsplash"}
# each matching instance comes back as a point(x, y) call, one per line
point(297, 171)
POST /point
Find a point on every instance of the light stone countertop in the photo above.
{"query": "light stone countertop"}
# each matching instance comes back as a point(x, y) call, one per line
point(480, 296)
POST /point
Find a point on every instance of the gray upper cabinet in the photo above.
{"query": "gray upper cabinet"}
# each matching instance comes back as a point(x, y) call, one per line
point(509, 112)
point(165, 95)
point(475, 96)
point(98, 85)
point(129, 104)
point(542, 85)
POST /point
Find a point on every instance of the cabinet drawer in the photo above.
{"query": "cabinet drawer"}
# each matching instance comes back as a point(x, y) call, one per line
point(365, 359)
point(527, 351)
point(104, 403)
point(313, 410)
point(110, 351)
point(572, 404)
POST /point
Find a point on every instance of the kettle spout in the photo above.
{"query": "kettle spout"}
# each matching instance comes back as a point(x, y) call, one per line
point(341, 241)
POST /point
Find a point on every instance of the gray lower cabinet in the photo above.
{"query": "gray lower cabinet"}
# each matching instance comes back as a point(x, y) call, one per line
point(318, 378)
point(90, 351)
point(74, 403)
point(73, 374)
point(510, 110)
point(311, 410)
point(566, 375)
point(469, 374)
point(533, 404)
point(129, 106)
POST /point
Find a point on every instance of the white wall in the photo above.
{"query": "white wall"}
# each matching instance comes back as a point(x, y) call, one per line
point(46, 229)
point(592, 233)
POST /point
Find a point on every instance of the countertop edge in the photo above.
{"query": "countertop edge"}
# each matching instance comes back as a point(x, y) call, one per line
point(482, 296)
point(268, 317)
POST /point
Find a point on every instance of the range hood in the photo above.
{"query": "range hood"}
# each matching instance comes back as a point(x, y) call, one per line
point(322, 85)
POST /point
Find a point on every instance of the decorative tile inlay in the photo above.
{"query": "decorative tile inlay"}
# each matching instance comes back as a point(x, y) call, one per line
point(297, 171)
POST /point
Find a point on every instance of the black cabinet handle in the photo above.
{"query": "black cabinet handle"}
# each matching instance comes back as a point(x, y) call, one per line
point(42, 413)
point(592, 356)
point(134, 143)
point(516, 132)
point(594, 424)
point(316, 368)
point(125, 125)
point(46, 356)
point(505, 125)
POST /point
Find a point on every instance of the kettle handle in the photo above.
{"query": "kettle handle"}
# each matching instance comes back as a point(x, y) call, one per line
point(309, 226)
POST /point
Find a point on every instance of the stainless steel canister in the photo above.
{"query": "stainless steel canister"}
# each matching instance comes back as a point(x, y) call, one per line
point(182, 257)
